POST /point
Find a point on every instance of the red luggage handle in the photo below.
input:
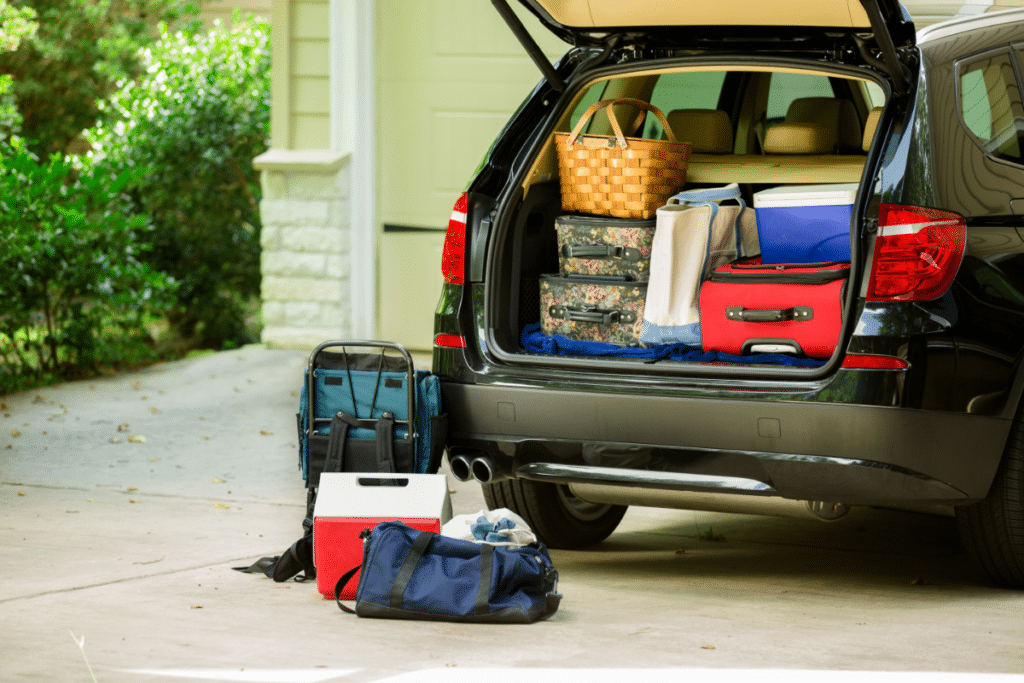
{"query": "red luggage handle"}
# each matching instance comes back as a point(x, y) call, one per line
point(796, 313)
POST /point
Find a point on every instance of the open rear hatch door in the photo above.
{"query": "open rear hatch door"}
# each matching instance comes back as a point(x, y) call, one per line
point(881, 28)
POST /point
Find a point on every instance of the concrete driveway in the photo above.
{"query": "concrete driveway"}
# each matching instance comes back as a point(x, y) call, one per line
point(127, 500)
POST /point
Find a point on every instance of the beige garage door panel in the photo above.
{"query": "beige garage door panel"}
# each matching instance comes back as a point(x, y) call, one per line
point(410, 286)
point(449, 76)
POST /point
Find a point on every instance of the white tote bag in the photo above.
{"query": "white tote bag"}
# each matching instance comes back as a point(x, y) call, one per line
point(693, 236)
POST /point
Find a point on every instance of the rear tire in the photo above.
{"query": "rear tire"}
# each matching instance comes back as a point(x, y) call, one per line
point(992, 530)
point(559, 519)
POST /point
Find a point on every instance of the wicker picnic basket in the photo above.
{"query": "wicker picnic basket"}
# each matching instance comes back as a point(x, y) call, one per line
point(619, 176)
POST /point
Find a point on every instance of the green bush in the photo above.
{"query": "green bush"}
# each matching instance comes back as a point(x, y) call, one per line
point(65, 69)
point(76, 294)
point(195, 122)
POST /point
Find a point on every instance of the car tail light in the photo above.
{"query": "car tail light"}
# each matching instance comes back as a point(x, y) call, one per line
point(450, 341)
point(865, 361)
point(453, 258)
point(917, 253)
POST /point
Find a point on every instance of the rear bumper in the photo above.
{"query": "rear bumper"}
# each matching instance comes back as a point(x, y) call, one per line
point(855, 454)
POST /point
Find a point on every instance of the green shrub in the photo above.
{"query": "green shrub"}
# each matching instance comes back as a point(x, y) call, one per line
point(76, 294)
point(64, 71)
point(195, 122)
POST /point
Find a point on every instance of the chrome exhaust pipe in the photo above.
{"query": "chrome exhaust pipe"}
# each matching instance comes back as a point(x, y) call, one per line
point(485, 471)
point(460, 467)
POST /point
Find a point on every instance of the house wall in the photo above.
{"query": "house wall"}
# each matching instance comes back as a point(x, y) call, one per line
point(306, 209)
point(211, 10)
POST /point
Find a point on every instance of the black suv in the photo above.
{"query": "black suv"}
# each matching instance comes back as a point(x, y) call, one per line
point(919, 408)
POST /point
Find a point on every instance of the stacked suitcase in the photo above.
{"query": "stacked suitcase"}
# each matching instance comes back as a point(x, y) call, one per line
point(599, 292)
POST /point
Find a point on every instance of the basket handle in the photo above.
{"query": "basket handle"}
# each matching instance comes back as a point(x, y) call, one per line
point(608, 105)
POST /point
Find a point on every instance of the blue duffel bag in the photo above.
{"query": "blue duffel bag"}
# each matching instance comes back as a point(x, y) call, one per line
point(411, 574)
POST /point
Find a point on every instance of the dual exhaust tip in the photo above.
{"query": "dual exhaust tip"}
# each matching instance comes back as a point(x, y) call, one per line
point(481, 469)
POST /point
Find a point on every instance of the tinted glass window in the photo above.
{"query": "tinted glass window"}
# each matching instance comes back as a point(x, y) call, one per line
point(787, 87)
point(991, 106)
point(689, 90)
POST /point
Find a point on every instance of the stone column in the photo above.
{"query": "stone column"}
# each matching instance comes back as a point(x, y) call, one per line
point(306, 212)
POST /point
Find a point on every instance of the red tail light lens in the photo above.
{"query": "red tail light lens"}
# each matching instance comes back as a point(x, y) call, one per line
point(872, 362)
point(453, 258)
point(917, 253)
point(450, 341)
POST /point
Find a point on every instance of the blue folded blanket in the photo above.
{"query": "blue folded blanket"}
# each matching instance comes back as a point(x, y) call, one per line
point(534, 341)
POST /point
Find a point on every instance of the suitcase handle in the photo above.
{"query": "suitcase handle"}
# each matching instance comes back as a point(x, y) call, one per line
point(600, 251)
point(600, 316)
point(796, 313)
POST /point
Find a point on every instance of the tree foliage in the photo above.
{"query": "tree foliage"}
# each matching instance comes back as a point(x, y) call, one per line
point(64, 72)
point(195, 122)
point(76, 292)
point(16, 24)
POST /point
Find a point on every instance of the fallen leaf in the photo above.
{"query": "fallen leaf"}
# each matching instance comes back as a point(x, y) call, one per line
point(222, 506)
point(133, 501)
point(144, 398)
point(154, 459)
point(218, 480)
point(21, 493)
point(707, 647)
point(90, 500)
point(136, 385)
point(196, 607)
point(114, 439)
point(123, 427)
point(206, 438)
point(132, 488)
point(154, 410)
point(8, 446)
point(264, 432)
point(137, 438)
point(3, 406)
point(15, 432)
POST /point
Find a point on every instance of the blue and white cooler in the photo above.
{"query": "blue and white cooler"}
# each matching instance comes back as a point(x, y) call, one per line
point(805, 223)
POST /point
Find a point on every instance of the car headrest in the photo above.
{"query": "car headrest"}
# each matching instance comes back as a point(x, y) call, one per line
point(708, 131)
point(839, 115)
point(799, 138)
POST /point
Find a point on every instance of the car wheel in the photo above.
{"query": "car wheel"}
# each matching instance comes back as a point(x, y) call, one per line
point(560, 519)
point(992, 530)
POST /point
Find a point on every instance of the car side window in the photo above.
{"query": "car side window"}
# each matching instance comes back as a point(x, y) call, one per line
point(990, 104)
point(684, 90)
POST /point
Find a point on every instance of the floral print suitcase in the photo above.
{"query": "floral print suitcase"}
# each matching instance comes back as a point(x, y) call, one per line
point(604, 309)
point(595, 245)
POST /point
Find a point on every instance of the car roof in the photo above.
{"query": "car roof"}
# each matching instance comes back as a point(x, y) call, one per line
point(964, 22)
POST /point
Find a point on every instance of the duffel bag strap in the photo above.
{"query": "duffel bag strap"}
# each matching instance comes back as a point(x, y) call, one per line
point(340, 585)
point(482, 606)
point(405, 572)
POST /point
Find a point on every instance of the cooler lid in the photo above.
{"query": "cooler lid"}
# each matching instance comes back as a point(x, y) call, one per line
point(806, 195)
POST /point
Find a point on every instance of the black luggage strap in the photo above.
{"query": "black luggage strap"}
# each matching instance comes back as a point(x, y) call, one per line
point(280, 568)
point(385, 443)
point(335, 458)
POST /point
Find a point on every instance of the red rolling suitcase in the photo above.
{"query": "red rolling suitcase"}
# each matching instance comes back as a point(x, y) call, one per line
point(748, 307)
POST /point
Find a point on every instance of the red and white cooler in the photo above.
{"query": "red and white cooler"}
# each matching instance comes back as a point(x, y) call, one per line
point(349, 502)
point(750, 307)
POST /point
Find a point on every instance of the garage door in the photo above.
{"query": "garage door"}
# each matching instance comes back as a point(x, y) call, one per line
point(449, 74)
